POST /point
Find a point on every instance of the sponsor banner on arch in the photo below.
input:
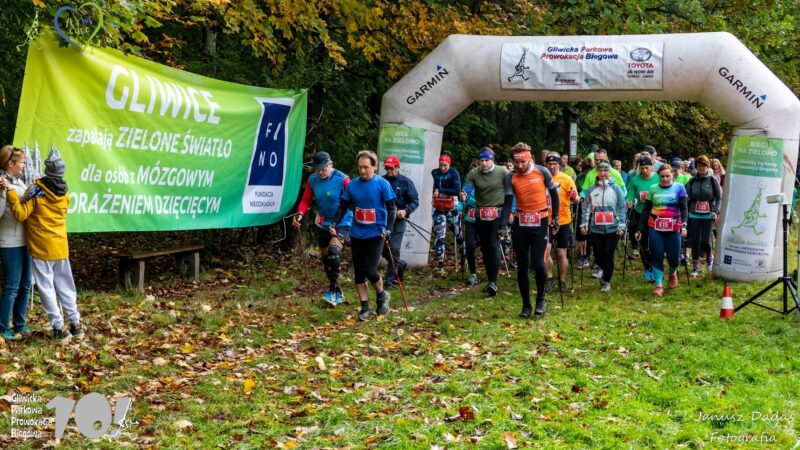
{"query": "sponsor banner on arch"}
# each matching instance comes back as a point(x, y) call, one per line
point(748, 234)
point(148, 147)
point(568, 64)
point(408, 144)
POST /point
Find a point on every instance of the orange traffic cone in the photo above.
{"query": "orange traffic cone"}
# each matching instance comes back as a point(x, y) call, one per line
point(726, 309)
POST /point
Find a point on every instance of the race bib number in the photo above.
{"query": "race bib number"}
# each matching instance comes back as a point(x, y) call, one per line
point(664, 224)
point(603, 218)
point(320, 221)
point(529, 219)
point(365, 216)
point(489, 213)
point(702, 207)
point(643, 196)
point(471, 214)
point(443, 202)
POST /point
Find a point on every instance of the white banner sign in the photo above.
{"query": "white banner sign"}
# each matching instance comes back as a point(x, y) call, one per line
point(580, 65)
point(748, 235)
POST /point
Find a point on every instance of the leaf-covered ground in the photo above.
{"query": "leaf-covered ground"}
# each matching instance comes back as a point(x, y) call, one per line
point(251, 358)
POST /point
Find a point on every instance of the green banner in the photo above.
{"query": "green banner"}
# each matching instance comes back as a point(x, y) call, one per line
point(757, 156)
point(405, 142)
point(149, 147)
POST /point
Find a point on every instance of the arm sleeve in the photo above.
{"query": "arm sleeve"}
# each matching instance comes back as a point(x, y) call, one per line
point(3, 200)
point(629, 191)
point(21, 211)
point(412, 198)
point(508, 199)
point(305, 202)
point(344, 205)
point(618, 179)
point(555, 196)
point(585, 207)
point(468, 180)
point(716, 204)
point(391, 211)
point(684, 206)
point(622, 211)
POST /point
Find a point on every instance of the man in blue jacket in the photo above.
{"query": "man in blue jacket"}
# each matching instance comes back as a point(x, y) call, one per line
point(325, 187)
point(407, 202)
point(446, 188)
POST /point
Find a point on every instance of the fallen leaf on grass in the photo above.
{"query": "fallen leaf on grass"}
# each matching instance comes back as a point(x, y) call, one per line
point(578, 389)
point(509, 440)
point(320, 363)
point(187, 348)
point(651, 374)
point(183, 424)
point(158, 362)
point(249, 384)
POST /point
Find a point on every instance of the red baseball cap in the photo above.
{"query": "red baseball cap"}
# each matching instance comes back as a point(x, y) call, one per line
point(391, 161)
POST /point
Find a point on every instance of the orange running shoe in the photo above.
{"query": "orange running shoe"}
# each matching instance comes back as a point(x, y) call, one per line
point(673, 280)
point(658, 291)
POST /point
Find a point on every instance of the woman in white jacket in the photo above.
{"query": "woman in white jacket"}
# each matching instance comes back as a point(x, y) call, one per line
point(604, 219)
point(14, 255)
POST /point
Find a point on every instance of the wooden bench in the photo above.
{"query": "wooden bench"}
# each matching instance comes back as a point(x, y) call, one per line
point(131, 265)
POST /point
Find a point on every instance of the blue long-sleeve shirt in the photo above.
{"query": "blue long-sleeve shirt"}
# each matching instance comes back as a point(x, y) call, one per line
point(448, 183)
point(405, 193)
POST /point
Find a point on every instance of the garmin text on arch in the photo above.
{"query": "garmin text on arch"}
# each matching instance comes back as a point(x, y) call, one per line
point(757, 100)
point(441, 72)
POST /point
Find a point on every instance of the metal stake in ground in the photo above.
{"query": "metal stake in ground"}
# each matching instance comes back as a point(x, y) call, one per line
point(396, 275)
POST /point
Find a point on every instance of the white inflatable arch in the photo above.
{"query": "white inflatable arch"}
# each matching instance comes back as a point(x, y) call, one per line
point(715, 69)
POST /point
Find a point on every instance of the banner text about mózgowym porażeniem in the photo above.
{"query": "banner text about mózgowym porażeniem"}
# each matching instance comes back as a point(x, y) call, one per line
point(148, 147)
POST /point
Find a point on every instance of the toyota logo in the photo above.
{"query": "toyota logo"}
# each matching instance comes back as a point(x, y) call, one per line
point(641, 54)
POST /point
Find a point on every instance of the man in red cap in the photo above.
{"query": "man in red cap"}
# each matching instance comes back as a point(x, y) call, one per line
point(407, 202)
point(446, 188)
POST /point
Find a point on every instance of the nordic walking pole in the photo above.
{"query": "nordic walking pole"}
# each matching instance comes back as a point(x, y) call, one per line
point(505, 264)
point(397, 275)
point(418, 229)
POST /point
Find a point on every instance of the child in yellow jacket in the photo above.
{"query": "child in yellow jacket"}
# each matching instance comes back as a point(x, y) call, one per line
point(43, 210)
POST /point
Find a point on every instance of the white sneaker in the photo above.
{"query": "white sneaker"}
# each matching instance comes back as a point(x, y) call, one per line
point(598, 273)
point(605, 287)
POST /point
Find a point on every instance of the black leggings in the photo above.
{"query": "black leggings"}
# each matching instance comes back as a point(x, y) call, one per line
point(644, 241)
point(366, 256)
point(604, 246)
point(490, 247)
point(698, 235)
point(470, 229)
point(530, 241)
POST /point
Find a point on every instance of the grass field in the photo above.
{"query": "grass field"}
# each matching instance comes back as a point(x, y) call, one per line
point(248, 361)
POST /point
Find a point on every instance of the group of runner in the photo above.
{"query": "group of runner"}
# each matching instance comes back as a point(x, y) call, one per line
point(668, 210)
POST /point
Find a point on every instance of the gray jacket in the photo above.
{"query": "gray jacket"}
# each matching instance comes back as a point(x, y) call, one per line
point(12, 233)
point(607, 198)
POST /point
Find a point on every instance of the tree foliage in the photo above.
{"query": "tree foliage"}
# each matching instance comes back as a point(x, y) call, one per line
point(348, 53)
